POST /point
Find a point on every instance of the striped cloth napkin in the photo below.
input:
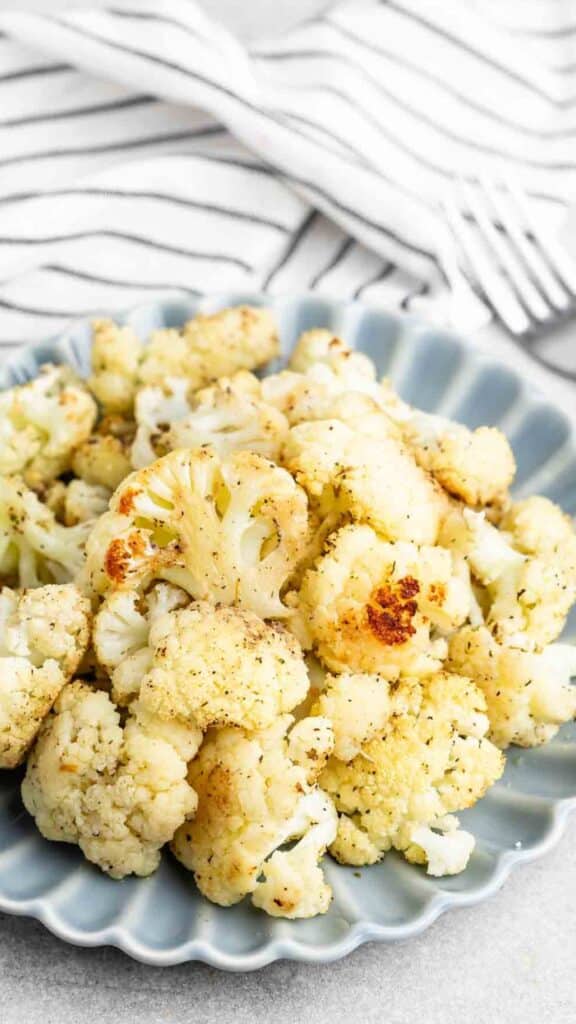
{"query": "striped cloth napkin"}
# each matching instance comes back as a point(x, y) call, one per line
point(145, 149)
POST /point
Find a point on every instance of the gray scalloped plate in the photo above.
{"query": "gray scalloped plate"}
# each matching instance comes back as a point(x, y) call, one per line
point(163, 920)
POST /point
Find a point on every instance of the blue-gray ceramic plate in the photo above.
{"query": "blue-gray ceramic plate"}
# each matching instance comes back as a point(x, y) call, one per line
point(163, 920)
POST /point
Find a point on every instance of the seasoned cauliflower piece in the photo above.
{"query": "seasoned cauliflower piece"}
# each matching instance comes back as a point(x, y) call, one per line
point(528, 596)
point(230, 420)
point(528, 694)
point(119, 792)
point(34, 547)
point(41, 423)
point(360, 475)
point(358, 706)
point(320, 347)
point(116, 355)
point(209, 347)
point(253, 798)
point(230, 531)
point(447, 848)
point(432, 758)
point(104, 458)
point(84, 502)
point(222, 666)
point(155, 410)
point(368, 605)
point(43, 635)
point(122, 630)
point(539, 527)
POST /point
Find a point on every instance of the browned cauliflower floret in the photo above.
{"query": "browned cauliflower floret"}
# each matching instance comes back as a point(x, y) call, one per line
point(209, 347)
point(104, 458)
point(34, 547)
point(119, 792)
point(227, 530)
point(368, 605)
point(432, 758)
point(255, 795)
point(43, 635)
point(528, 694)
point(222, 666)
point(374, 480)
point(116, 355)
point(358, 706)
point(41, 424)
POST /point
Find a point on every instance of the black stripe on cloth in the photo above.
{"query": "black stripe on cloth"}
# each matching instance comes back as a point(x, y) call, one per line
point(297, 237)
point(467, 141)
point(226, 211)
point(86, 111)
point(381, 275)
point(319, 127)
point(124, 236)
point(265, 115)
point(466, 47)
point(57, 314)
point(424, 72)
point(113, 147)
point(342, 250)
point(35, 72)
point(420, 290)
point(164, 19)
point(83, 275)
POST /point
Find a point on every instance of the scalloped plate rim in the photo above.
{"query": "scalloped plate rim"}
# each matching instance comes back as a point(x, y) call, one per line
point(364, 930)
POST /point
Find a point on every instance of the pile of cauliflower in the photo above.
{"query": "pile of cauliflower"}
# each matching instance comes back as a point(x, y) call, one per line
point(258, 618)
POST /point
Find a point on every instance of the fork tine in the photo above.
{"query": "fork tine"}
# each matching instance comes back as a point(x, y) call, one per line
point(497, 291)
point(505, 255)
point(551, 250)
point(508, 215)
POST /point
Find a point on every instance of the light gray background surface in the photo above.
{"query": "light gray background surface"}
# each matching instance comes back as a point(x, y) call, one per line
point(507, 961)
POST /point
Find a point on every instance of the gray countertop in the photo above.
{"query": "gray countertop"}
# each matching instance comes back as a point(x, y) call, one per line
point(508, 960)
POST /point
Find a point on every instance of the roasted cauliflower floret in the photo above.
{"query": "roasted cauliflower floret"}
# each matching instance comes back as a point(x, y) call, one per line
point(43, 635)
point(209, 347)
point(368, 605)
point(119, 792)
point(254, 797)
point(104, 458)
point(41, 423)
point(116, 355)
point(476, 466)
point(84, 502)
point(122, 630)
point(539, 527)
point(432, 758)
point(529, 596)
point(358, 706)
point(222, 666)
point(34, 547)
point(230, 531)
point(360, 475)
point(528, 694)
point(155, 410)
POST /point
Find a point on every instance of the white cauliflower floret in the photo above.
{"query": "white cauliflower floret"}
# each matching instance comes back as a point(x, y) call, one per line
point(368, 605)
point(103, 460)
point(209, 347)
point(528, 694)
point(122, 630)
point(116, 355)
point(222, 666)
point(432, 758)
point(230, 531)
point(528, 596)
point(155, 410)
point(539, 527)
point(84, 502)
point(361, 475)
point(41, 423)
point(120, 793)
point(475, 465)
point(34, 547)
point(358, 706)
point(43, 635)
point(321, 347)
point(447, 848)
point(253, 798)
point(230, 420)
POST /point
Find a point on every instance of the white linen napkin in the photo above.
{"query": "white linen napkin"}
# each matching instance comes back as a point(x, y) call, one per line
point(144, 148)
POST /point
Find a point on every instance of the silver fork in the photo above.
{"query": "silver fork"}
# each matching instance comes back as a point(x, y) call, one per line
point(523, 274)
